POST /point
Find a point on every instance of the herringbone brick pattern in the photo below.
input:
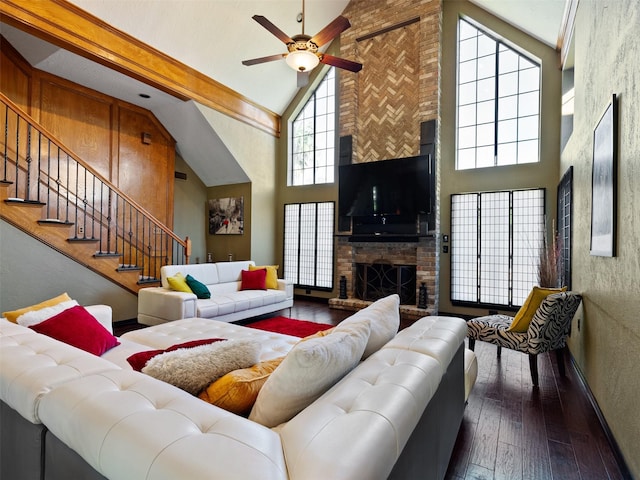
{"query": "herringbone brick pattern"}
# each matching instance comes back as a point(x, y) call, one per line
point(382, 106)
point(388, 88)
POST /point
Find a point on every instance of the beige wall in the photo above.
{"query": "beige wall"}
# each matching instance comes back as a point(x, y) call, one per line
point(545, 174)
point(606, 344)
point(254, 151)
point(190, 220)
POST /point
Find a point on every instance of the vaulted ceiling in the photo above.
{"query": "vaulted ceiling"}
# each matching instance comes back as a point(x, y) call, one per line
point(213, 37)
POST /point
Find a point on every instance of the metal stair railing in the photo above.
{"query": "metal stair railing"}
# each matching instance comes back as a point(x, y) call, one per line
point(39, 170)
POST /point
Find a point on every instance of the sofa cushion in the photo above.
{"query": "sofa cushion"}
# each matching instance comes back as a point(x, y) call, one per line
point(75, 326)
point(51, 363)
point(384, 318)
point(33, 317)
point(128, 425)
point(436, 336)
point(230, 271)
point(166, 334)
point(179, 283)
point(12, 316)
point(358, 428)
point(192, 369)
point(139, 359)
point(307, 371)
point(199, 288)
point(271, 280)
point(237, 390)
point(254, 280)
point(206, 273)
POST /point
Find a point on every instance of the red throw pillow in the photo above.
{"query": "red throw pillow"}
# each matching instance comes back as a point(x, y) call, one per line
point(140, 359)
point(254, 279)
point(79, 328)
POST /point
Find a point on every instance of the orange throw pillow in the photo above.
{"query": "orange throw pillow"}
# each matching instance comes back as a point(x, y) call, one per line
point(237, 391)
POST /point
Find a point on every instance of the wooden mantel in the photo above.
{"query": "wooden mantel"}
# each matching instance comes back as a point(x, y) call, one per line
point(69, 27)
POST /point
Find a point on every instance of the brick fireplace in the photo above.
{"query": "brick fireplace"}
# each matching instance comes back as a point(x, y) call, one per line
point(382, 109)
point(421, 254)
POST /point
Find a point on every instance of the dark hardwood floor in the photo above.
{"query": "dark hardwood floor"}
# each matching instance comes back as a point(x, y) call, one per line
point(511, 430)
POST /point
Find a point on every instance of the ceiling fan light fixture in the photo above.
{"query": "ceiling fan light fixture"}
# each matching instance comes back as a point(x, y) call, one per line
point(302, 60)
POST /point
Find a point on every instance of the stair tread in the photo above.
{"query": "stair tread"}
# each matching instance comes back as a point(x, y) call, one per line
point(55, 221)
point(22, 201)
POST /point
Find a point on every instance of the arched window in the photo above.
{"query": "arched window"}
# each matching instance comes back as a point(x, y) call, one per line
point(313, 137)
point(498, 110)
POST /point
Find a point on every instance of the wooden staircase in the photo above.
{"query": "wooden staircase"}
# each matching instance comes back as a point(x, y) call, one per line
point(56, 197)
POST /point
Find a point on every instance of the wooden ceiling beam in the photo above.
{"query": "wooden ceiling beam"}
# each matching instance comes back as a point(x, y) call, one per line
point(71, 28)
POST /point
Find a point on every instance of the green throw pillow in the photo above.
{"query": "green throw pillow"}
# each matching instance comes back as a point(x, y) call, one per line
point(199, 288)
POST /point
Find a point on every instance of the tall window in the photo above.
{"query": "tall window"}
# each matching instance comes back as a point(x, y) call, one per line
point(313, 137)
point(565, 207)
point(495, 245)
point(498, 112)
point(308, 244)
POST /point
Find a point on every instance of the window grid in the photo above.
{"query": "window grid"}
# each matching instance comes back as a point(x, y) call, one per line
point(313, 137)
point(496, 238)
point(498, 111)
point(565, 194)
point(308, 244)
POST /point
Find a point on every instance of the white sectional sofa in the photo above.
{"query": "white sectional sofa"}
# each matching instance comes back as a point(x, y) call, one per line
point(68, 414)
point(228, 303)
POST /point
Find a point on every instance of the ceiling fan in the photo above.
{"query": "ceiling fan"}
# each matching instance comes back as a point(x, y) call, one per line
point(303, 55)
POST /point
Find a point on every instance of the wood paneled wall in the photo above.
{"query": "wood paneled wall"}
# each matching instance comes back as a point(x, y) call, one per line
point(104, 131)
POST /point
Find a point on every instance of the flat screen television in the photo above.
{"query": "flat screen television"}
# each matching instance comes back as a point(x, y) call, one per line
point(386, 196)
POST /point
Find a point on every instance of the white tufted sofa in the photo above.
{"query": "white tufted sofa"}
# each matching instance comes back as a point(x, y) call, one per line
point(227, 303)
point(68, 414)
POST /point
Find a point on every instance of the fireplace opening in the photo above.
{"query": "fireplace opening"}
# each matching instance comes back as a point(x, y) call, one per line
point(380, 279)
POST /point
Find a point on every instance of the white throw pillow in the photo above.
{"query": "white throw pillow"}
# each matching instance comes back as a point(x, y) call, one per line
point(35, 317)
point(309, 369)
point(384, 318)
point(193, 369)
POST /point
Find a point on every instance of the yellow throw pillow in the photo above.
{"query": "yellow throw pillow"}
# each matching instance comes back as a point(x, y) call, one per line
point(271, 281)
point(179, 283)
point(320, 333)
point(13, 315)
point(524, 316)
point(237, 391)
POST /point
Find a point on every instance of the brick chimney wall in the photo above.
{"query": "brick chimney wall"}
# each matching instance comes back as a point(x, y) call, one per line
point(382, 108)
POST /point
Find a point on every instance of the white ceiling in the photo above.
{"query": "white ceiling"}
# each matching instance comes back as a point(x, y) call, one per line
point(541, 19)
point(213, 37)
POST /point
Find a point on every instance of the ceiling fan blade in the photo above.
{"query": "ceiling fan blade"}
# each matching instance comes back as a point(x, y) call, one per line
point(272, 28)
point(328, 33)
point(302, 79)
point(270, 58)
point(340, 63)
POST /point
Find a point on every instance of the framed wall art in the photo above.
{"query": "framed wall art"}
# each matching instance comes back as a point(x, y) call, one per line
point(603, 183)
point(226, 216)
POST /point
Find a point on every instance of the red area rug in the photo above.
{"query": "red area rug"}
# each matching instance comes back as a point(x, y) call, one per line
point(289, 326)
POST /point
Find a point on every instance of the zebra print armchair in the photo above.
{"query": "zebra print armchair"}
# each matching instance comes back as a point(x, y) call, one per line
point(547, 331)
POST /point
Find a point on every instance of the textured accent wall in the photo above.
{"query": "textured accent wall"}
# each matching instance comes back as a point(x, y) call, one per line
point(606, 342)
